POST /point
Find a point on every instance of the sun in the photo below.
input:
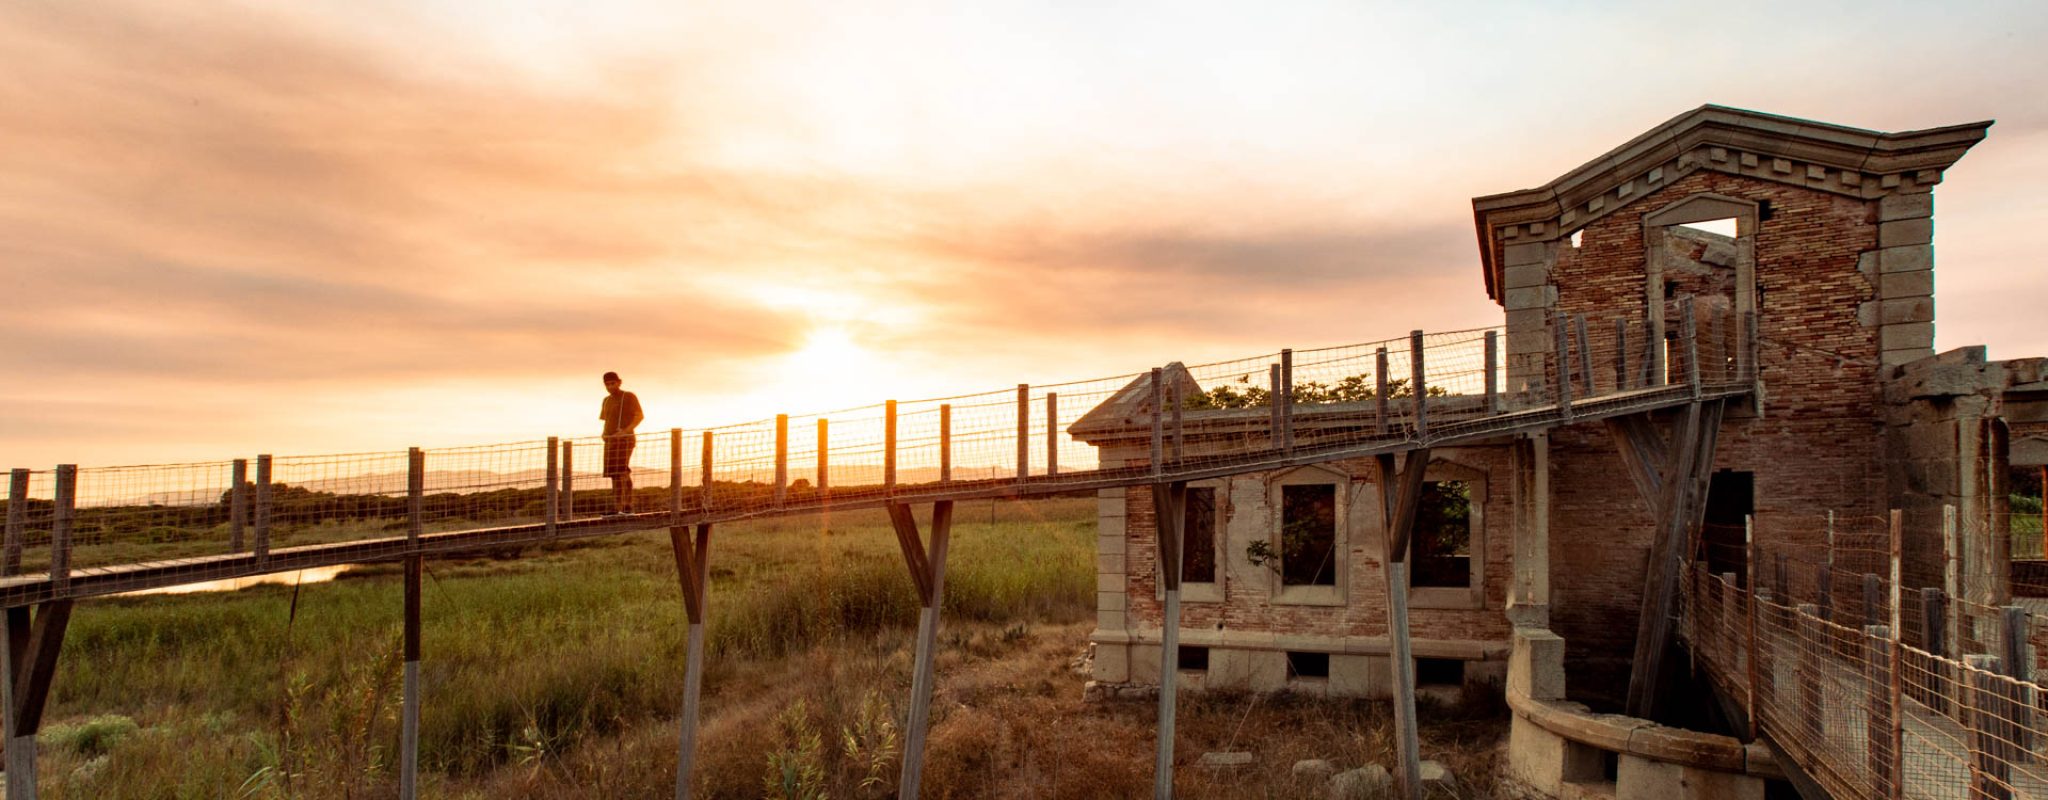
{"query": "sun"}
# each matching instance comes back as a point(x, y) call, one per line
point(830, 370)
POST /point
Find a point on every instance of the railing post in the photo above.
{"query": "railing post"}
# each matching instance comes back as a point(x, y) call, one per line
point(1380, 391)
point(1824, 586)
point(17, 521)
point(262, 550)
point(1420, 383)
point(1277, 428)
point(409, 745)
point(1158, 423)
point(945, 443)
point(1749, 619)
point(568, 479)
point(1562, 380)
point(1951, 578)
point(1989, 728)
point(692, 573)
point(2020, 669)
point(1896, 716)
point(1052, 434)
point(1492, 372)
point(706, 487)
point(824, 461)
point(60, 530)
point(1169, 503)
point(1621, 354)
point(1814, 652)
point(1585, 352)
point(781, 459)
point(238, 506)
point(1285, 399)
point(1692, 346)
point(675, 476)
point(1023, 433)
point(1879, 672)
point(1175, 401)
point(554, 493)
point(889, 447)
point(415, 495)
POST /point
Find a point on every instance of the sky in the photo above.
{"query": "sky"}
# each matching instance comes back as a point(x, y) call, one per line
point(300, 228)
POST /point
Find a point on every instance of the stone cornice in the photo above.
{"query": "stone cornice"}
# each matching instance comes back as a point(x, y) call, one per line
point(1832, 158)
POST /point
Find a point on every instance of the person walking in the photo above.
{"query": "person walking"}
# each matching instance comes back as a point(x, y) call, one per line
point(621, 414)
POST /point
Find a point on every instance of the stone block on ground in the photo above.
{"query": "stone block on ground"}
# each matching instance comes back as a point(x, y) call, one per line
point(1438, 781)
point(1314, 769)
point(1227, 759)
point(1369, 781)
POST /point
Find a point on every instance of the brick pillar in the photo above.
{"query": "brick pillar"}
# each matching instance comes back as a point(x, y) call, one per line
point(1112, 659)
point(1529, 592)
point(1904, 264)
point(1529, 296)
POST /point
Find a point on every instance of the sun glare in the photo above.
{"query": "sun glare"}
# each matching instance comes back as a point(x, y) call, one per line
point(830, 370)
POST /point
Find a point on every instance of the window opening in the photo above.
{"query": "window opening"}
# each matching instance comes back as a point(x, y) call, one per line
point(1442, 543)
point(1308, 665)
point(1194, 659)
point(1439, 672)
point(1731, 498)
point(1308, 535)
point(1198, 537)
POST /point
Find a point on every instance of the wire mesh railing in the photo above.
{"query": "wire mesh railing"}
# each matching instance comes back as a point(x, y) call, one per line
point(1875, 687)
point(1289, 407)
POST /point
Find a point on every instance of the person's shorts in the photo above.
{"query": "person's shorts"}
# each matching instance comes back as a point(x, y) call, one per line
point(618, 456)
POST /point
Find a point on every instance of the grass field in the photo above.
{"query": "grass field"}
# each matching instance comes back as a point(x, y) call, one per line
point(558, 675)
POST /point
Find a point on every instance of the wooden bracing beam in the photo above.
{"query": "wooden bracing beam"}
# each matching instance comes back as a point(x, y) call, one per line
point(928, 572)
point(1169, 504)
point(1671, 473)
point(1400, 493)
point(692, 554)
point(36, 661)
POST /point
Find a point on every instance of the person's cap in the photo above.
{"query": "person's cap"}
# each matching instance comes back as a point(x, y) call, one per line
point(611, 376)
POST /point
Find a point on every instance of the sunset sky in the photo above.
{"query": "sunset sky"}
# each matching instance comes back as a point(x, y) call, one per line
point(301, 228)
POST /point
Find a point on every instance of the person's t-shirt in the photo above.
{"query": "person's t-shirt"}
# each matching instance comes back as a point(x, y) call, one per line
point(610, 412)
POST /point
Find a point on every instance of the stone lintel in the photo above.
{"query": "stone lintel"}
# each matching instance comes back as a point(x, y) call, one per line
point(1898, 233)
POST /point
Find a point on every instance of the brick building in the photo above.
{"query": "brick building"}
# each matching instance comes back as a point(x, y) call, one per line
point(1822, 233)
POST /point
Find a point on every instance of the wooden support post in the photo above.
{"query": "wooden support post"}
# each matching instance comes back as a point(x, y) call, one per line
point(781, 459)
point(568, 479)
point(1896, 715)
point(1399, 497)
point(1023, 432)
point(1749, 619)
point(889, 447)
point(2023, 702)
point(1562, 359)
point(238, 505)
point(1824, 587)
point(1418, 380)
point(31, 662)
point(415, 495)
point(1621, 354)
point(1934, 627)
point(1277, 426)
point(945, 443)
point(824, 461)
point(1692, 346)
point(61, 527)
point(1284, 397)
point(1585, 343)
point(262, 513)
point(706, 485)
point(1990, 728)
point(1781, 578)
point(409, 745)
point(17, 521)
point(1680, 501)
point(693, 574)
point(1158, 452)
point(1492, 372)
point(554, 494)
point(675, 476)
point(1873, 589)
point(1951, 578)
point(1169, 504)
point(1815, 651)
point(1881, 754)
point(928, 572)
point(1052, 434)
point(1380, 391)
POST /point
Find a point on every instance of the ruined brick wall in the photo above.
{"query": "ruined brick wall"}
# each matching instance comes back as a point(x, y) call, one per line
point(1247, 603)
point(1819, 445)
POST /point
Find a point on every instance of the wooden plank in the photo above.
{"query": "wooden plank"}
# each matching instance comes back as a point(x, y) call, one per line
point(1169, 505)
point(922, 678)
point(409, 737)
point(568, 478)
point(17, 520)
point(1561, 381)
point(1660, 580)
point(1177, 403)
point(912, 545)
point(1158, 452)
point(20, 749)
point(1643, 454)
point(1585, 345)
point(1690, 332)
point(691, 574)
point(238, 512)
point(1621, 354)
point(707, 488)
point(824, 460)
point(675, 476)
point(1749, 619)
point(1276, 433)
point(1400, 493)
